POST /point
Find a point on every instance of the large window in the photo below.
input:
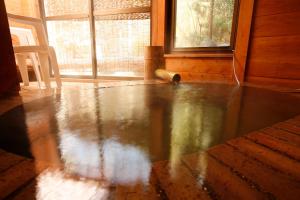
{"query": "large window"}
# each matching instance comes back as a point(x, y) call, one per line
point(198, 25)
point(99, 37)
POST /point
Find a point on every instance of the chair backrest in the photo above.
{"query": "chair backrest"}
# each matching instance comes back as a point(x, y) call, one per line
point(37, 24)
point(25, 36)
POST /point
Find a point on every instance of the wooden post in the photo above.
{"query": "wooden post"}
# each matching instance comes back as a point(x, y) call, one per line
point(154, 56)
point(243, 37)
point(8, 70)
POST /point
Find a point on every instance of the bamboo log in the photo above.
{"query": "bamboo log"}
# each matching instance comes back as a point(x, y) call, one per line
point(167, 76)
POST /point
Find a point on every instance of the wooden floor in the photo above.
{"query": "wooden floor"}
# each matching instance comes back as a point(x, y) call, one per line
point(264, 164)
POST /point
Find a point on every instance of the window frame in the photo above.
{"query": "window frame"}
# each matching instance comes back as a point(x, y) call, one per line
point(90, 16)
point(170, 32)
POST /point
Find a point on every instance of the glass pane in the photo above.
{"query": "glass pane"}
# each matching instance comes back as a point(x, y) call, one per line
point(120, 42)
point(117, 4)
point(203, 23)
point(64, 7)
point(71, 40)
point(28, 8)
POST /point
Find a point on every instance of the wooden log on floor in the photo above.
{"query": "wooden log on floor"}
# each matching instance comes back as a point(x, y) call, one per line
point(267, 156)
point(225, 183)
point(277, 184)
point(275, 144)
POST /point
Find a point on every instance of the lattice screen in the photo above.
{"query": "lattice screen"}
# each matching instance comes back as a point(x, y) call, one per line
point(28, 8)
point(63, 7)
point(117, 4)
point(72, 43)
point(120, 41)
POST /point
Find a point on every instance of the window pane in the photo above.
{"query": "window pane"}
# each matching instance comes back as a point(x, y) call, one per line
point(112, 4)
point(120, 41)
point(71, 40)
point(64, 7)
point(203, 23)
point(28, 8)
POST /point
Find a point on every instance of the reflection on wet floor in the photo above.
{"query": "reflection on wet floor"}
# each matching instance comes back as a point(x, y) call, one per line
point(85, 142)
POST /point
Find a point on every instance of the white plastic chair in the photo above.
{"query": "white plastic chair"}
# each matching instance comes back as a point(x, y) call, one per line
point(41, 48)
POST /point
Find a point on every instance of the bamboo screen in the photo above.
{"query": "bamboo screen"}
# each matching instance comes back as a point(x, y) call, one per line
point(120, 38)
point(119, 4)
point(28, 8)
point(65, 7)
point(72, 43)
point(120, 42)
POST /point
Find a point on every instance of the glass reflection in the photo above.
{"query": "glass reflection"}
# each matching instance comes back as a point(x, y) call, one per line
point(57, 185)
point(196, 124)
point(110, 161)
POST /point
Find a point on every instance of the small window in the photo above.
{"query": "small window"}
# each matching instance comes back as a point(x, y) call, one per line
point(201, 25)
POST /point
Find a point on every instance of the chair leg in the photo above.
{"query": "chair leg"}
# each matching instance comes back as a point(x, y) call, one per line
point(54, 65)
point(44, 64)
point(36, 69)
point(21, 60)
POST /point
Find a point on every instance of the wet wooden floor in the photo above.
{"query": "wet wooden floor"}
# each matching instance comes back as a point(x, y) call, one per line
point(264, 164)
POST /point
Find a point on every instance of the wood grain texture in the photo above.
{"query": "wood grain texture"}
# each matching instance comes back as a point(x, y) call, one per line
point(158, 22)
point(269, 157)
point(224, 183)
point(256, 172)
point(242, 37)
point(201, 68)
point(274, 51)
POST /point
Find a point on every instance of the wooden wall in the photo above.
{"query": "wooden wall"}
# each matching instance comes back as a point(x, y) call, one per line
point(200, 68)
point(274, 53)
point(8, 70)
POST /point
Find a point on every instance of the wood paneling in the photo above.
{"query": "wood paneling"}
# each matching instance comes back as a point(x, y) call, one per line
point(8, 70)
point(219, 69)
point(265, 7)
point(274, 54)
point(158, 22)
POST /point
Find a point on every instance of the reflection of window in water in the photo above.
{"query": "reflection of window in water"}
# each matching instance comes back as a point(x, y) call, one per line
point(108, 160)
point(56, 185)
point(196, 125)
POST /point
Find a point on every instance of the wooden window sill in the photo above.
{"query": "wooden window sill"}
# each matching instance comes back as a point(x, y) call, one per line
point(199, 55)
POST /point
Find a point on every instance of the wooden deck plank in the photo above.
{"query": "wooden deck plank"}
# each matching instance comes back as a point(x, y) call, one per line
point(8, 159)
point(288, 127)
point(28, 192)
point(283, 135)
point(294, 121)
point(225, 183)
point(139, 191)
point(275, 144)
point(15, 177)
point(267, 156)
point(181, 185)
point(277, 184)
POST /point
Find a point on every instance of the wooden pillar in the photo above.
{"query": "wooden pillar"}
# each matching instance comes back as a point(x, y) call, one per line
point(8, 71)
point(243, 37)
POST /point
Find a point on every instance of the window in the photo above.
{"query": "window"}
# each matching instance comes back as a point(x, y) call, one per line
point(201, 25)
point(106, 38)
point(28, 8)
